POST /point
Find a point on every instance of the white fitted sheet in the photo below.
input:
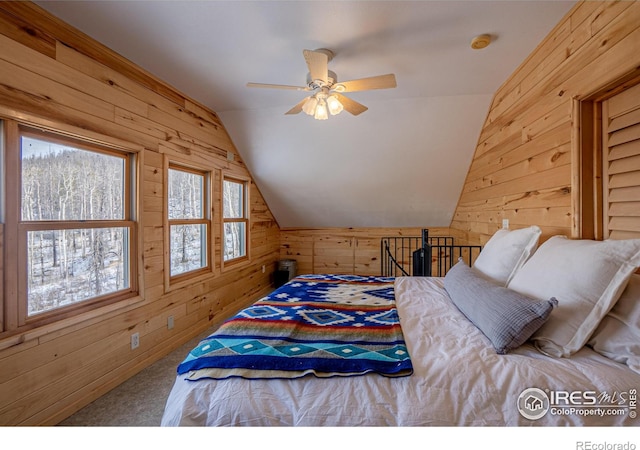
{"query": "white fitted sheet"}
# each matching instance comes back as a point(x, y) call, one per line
point(458, 380)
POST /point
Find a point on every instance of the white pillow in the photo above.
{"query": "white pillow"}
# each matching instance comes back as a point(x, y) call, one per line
point(506, 252)
point(618, 335)
point(587, 277)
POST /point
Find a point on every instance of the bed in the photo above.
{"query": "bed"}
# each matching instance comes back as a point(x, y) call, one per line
point(543, 335)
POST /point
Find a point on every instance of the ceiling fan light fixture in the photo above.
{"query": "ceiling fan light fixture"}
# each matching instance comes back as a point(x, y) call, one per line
point(328, 98)
point(335, 107)
point(321, 110)
point(309, 106)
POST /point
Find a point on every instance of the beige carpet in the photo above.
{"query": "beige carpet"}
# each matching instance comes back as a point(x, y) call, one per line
point(140, 400)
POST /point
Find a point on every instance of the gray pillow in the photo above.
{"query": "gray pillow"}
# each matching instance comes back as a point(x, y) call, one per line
point(506, 317)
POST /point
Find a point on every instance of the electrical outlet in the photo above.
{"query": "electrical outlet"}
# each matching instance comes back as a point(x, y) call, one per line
point(263, 269)
point(505, 224)
point(135, 341)
point(170, 322)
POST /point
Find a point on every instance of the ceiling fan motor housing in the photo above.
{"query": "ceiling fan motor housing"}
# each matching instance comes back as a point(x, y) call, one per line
point(332, 79)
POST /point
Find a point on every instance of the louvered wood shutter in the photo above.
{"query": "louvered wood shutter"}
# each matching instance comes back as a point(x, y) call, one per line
point(621, 165)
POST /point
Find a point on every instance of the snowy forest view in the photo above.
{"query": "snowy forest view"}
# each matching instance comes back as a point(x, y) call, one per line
point(234, 208)
point(188, 241)
point(76, 259)
point(78, 232)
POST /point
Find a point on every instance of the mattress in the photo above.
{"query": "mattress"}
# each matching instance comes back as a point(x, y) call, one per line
point(458, 380)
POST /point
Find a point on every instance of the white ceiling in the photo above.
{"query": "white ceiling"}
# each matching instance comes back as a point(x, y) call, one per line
point(401, 163)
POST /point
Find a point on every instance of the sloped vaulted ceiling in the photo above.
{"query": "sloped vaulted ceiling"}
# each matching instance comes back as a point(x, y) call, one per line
point(401, 163)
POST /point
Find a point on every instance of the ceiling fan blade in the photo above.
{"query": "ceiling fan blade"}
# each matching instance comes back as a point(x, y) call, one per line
point(318, 64)
point(278, 86)
point(366, 84)
point(351, 106)
point(296, 109)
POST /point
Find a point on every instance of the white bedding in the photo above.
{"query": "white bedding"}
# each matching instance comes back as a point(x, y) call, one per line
point(458, 380)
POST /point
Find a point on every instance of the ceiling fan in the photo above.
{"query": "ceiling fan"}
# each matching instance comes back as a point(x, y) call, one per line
point(327, 98)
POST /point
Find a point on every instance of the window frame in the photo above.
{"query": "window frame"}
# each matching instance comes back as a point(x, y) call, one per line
point(179, 280)
point(16, 315)
point(245, 182)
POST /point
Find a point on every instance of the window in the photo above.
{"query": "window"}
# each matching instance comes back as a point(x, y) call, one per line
point(72, 212)
point(235, 218)
point(189, 224)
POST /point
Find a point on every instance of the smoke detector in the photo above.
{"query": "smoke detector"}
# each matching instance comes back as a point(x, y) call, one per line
point(480, 41)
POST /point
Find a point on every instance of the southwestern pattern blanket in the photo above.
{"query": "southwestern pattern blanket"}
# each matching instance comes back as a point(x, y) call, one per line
point(324, 325)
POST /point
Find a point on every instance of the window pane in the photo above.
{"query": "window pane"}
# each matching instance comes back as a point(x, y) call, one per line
point(69, 266)
point(233, 200)
point(186, 193)
point(234, 240)
point(188, 248)
point(60, 182)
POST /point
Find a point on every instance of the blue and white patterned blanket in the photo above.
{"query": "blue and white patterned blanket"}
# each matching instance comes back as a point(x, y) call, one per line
point(325, 325)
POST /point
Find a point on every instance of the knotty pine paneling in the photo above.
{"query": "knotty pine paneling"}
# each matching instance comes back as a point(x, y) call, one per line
point(345, 250)
point(524, 167)
point(53, 76)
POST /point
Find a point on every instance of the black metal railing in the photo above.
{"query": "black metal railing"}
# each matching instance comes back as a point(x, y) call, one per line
point(410, 256)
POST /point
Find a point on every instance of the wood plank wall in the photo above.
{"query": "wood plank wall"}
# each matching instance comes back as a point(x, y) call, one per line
point(525, 164)
point(52, 75)
point(345, 250)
